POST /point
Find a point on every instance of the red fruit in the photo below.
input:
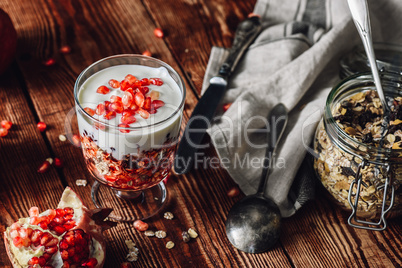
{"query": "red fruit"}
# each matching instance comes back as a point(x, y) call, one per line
point(140, 225)
point(76, 140)
point(58, 162)
point(6, 124)
point(226, 106)
point(110, 115)
point(147, 53)
point(82, 246)
point(127, 99)
point(156, 104)
point(154, 95)
point(8, 41)
point(117, 107)
point(103, 90)
point(115, 98)
point(44, 167)
point(124, 85)
point(41, 126)
point(125, 265)
point(156, 81)
point(65, 49)
point(139, 99)
point(147, 103)
point(3, 132)
point(130, 78)
point(158, 32)
point(145, 82)
point(128, 119)
point(124, 130)
point(49, 62)
point(233, 192)
point(144, 114)
point(90, 111)
point(114, 83)
point(33, 211)
point(100, 109)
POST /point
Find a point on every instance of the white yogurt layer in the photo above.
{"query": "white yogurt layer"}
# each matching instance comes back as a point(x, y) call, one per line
point(148, 133)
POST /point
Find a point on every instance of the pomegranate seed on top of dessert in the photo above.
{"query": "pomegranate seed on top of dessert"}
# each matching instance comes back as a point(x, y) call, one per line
point(144, 114)
point(115, 98)
point(110, 115)
point(140, 225)
point(6, 124)
point(156, 104)
point(158, 32)
point(103, 90)
point(128, 119)
point(41, 126)
point(130, 78)
point(145, 82)
point(127, 99)
point(124, 85)
point(114, 83)
point(139, 99)
point(154, 95)
point(100, 109)
point(147, 103)
point(3, 132)
point(117, 107)
point(90, 111)
point(156, 81)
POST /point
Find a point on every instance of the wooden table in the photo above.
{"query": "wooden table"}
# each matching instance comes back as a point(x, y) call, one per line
point(317, 236)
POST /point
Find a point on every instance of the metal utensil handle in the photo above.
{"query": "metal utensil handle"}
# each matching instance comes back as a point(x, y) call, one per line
point(245, 34)
point(278, 119)
point(360, 14)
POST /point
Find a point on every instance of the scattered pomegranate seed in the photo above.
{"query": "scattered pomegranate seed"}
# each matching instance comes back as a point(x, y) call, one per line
point(124, 130)
point(128, 119)
point(76, 140)
point(90, 111)
point(103, 90)
point(3, 132)
point(125, 265)
point(144, 114)
point(110, 115)
point(130, 78)
point(127, 99)
point(145, 82)
point(58, 162)
point(114, 83)
point(41, 126)
point(44, 167)
point(140, 225)
point(49, 62)
point(154, 95)
point(226, 106)
point(156, 104)
point(115, 98)
point(145, 90)
point(147, 103)
point(6, 124)
point(233, 192)
point(147, 53)
point(139, 99)
point(100, 109)
point(156, 81)
point(158, 32)
point(65, 49)
point(124, 85)
point(117, 107)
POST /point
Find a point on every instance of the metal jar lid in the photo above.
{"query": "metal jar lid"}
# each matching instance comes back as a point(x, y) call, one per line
point(389, 58)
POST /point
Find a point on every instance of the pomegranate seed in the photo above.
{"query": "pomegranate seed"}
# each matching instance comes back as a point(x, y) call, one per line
point(156, 81)
point(124, 85)
point(46, 237)
point(128, 119)
point(42, 261)
point(130, 78)
point(134, 107)
point(114, 83)
point(90, 111)
point(145, 90)
point(103, 90)
point(127, 99)
point(137, 84)
point(44, 167)
point(15, 226)
point(65, 49)
point(144, 114)
point(158, 32)
point(69, 210)
point(156, 104)
point(41, 126)
point(147, 53)
point(43, 225)
point(226, 106)
point(117, 107)
point(250, 15)
point(6, 124)
point(14, 234)
point(33, 211)
point(49, 62)
point(139, 99)
point(110, 115)
point(145, 82)
point(140, 225)
point(154, 95)
point(100, 109)
point(58, 162)
point(147, 103)
point(36, 234)
point(115, 98)
point(76, 140)
point(59, 229)
point(125, 265)
point(92, 262)
point(233, 192)
point(124, 130)
point(3, 132)
point(34, 220)
point(17, 242)
point(33, 261)
point(52, 250)
point(60, 212)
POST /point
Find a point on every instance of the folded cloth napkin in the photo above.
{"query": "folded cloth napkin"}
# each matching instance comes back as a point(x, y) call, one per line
point(295, 60)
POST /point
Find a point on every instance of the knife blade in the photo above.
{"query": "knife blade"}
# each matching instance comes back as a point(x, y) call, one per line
point(205, 109)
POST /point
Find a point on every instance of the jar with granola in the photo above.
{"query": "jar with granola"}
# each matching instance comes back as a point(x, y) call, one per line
point(358, 150)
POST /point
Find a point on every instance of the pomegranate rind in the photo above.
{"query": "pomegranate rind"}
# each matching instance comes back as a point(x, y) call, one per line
point(82, 217)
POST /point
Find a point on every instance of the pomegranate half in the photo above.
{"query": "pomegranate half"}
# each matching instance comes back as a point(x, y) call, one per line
point(69, 236)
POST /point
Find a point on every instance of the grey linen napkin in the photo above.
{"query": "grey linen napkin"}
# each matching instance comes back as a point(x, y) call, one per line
point(295, 60)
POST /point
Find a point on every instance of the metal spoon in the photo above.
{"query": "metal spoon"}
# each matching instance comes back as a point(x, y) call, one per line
point(361, 18)
point(253, 223)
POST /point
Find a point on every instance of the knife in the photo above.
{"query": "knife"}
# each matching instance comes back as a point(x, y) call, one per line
point(203, 112)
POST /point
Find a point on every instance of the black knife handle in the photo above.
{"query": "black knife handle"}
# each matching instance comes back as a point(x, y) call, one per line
point(245, 34)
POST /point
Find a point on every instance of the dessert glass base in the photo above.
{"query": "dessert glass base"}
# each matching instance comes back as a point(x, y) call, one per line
point(130, 205)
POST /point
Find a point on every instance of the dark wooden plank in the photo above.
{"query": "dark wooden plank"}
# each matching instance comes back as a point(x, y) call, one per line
point(22, 151)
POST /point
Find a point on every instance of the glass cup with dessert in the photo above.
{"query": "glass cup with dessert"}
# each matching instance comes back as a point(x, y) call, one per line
point(129, 110)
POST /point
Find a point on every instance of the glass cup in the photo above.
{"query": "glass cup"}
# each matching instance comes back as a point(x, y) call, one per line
point(129, 162)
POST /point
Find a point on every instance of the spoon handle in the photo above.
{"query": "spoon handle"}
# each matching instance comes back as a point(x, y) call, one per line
point(360, 14)
point(278, 119)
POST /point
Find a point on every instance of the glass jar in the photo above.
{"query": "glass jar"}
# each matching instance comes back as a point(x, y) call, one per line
point(364, 179)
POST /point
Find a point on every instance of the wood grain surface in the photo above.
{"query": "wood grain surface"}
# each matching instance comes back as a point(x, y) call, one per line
point(317, 236)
